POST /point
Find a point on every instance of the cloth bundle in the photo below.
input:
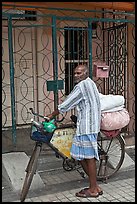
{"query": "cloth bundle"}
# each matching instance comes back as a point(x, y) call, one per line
point(111, 103)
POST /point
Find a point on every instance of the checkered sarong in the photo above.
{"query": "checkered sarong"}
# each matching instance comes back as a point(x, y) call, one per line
point(84, 147)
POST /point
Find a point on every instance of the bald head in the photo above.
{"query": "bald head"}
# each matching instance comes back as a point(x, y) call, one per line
point(80, 73)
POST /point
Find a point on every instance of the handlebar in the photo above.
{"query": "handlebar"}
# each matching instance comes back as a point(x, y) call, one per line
point(42, 116)
point(45, 117)
point(48, 126)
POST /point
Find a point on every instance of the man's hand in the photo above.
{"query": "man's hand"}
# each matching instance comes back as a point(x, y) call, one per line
point(50, 116)
point(53, 114)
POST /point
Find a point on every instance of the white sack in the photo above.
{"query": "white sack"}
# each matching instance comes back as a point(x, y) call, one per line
point(111, 102)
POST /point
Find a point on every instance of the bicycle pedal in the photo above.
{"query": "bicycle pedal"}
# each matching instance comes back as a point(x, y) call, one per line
point(105, 180)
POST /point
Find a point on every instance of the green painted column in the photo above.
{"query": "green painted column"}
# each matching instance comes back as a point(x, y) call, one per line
point(11, 63)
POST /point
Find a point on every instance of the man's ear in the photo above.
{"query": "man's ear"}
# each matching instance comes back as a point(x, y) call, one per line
point(86, 73)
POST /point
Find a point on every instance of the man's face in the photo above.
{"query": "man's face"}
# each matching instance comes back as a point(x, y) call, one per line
point(79, 74)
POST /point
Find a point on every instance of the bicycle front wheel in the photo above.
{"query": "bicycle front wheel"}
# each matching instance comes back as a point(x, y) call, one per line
point(111, 153)
point(30, 172)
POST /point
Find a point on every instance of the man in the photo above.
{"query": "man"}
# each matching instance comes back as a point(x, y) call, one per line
point(85, 97)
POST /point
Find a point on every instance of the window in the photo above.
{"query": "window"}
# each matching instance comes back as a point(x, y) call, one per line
point(75, 53)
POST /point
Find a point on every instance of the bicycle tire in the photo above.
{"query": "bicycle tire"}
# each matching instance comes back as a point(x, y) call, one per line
point(114, 149)
point(30, 173)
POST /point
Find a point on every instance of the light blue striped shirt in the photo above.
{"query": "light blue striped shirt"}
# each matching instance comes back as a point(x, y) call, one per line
point(85, 97)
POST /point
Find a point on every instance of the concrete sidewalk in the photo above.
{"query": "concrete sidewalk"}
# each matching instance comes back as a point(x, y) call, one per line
point(61, 185)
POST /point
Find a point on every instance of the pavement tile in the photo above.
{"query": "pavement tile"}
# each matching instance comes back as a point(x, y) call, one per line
point(61, 186)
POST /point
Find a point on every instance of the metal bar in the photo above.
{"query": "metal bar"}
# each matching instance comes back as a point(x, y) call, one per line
point(110, 28)
point(116, 27)
point(95, 19)
point(90, 47)
point(77, 18)
point(116, 59)
point(35, 70)
point(21, 16)
point(30, 26)
point(55, 59)
point(11, 63)
point(75, 61)
point(125, 67)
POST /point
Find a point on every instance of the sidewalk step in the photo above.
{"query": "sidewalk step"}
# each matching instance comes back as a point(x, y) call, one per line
point(13, 169)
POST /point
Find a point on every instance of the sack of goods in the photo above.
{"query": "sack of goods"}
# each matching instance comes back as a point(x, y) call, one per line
point(113, 114)
point(114, 120)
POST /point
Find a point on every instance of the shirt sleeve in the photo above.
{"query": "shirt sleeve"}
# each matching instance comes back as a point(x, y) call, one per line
point(71, 101)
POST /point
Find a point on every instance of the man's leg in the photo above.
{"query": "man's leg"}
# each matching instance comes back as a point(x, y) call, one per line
point(84, 166)
point(91, 169)
point(89, 166)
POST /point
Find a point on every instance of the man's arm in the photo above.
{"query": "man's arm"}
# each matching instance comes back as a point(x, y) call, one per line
point(70, 102)
point(53, 114)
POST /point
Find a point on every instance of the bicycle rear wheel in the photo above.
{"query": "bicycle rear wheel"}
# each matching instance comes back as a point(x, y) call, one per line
point(30, 171)
point(111, 153)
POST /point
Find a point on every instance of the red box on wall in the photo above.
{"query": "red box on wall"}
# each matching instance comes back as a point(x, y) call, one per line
point(100, 69)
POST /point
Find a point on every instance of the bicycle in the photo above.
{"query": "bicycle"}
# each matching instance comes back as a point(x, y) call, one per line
point(111, 149)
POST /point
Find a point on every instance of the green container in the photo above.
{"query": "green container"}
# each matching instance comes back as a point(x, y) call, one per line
point(49, 126)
